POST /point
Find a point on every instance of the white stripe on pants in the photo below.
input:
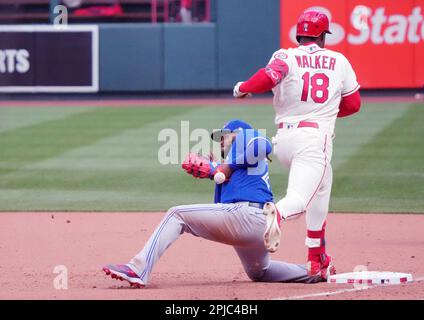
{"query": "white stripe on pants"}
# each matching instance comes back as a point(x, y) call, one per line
point(235, 224)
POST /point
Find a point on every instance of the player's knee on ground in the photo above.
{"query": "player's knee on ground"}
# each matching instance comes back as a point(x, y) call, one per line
point(292, 205)
point(255, 274)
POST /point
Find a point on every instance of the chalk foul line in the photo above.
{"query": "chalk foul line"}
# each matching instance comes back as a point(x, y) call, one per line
point(336, 292)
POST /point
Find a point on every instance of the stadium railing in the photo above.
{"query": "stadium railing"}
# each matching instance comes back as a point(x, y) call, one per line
point(153, 11)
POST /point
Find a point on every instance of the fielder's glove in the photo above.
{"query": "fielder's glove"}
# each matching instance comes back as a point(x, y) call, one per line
point(238, 94)
point(199, 166)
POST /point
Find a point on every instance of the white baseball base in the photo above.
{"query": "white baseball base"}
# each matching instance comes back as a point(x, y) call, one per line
point(371, 278)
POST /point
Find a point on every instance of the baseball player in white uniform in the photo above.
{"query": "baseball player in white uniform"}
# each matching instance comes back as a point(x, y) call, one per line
point(312, 86)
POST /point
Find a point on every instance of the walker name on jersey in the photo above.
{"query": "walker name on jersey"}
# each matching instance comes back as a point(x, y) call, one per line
point(316, 62)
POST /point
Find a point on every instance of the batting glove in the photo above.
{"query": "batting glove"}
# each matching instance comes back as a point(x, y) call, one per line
point(238, 94)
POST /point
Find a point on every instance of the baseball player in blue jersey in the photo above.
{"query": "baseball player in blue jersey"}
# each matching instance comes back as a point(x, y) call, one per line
point(237, 218)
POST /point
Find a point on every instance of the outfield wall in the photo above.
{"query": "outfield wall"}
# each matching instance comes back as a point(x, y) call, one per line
point(143, 57)
point(203, 56)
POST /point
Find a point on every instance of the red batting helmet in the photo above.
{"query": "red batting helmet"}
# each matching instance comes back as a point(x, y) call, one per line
point(312, 24)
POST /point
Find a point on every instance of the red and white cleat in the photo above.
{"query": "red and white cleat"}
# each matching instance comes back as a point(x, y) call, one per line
point(323, 269)
point(272, 233)
point(123, 272)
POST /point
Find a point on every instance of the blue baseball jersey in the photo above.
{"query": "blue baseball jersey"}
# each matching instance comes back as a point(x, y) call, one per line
point(250, 177)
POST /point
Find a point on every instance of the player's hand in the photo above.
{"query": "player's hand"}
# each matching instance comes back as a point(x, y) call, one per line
point(199, 166)
point(238, 94)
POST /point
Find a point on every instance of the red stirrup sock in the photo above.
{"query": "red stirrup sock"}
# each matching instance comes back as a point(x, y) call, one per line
point(316, 245)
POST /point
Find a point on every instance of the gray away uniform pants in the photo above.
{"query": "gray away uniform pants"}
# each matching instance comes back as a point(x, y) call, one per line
point(236, 224)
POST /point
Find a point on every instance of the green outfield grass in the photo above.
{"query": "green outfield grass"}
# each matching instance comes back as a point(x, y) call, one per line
point(105, 159)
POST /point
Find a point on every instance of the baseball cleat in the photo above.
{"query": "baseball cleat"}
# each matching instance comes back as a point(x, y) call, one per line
point(272, 232)
point(331, 270)
point(323, 269)
point(124, 272)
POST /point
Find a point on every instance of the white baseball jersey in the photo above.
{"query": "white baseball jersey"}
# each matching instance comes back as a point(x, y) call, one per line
point(317, 78)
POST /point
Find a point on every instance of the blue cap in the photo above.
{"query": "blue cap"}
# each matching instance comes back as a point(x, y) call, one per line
point(229, 127)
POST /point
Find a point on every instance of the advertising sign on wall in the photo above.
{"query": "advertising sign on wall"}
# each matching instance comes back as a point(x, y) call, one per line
point(49, 59)
point(383, 39)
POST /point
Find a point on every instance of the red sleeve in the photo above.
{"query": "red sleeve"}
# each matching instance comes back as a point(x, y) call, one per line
point(186, 4)
point(349, 105)
point(258, 83)
point(266, 78)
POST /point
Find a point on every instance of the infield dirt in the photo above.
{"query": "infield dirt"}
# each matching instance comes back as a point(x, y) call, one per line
point(33, 244)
